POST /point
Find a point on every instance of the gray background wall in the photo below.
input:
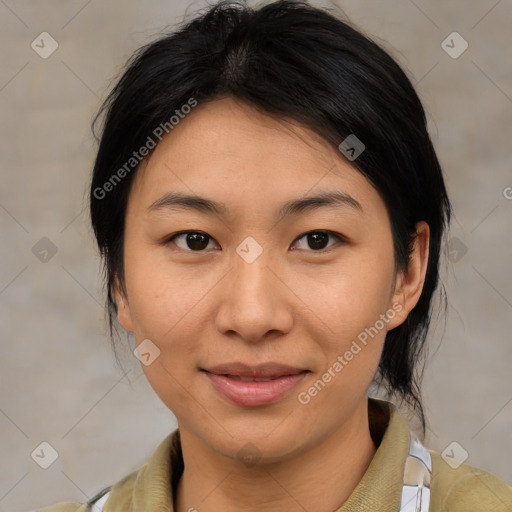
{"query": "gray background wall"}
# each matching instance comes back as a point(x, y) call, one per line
point(58, 379)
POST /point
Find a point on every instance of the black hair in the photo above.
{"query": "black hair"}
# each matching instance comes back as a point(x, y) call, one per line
point(297, 62)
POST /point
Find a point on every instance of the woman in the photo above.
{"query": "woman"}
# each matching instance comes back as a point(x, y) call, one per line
point(271, 211)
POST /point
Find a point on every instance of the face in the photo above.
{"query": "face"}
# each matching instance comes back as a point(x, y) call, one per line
point(312, 287)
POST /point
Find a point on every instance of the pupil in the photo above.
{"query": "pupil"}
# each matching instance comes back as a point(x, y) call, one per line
point(317, 240)
point(194, 241)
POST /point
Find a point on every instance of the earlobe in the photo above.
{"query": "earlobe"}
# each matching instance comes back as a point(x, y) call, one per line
point(123, 307)
point(409, 282)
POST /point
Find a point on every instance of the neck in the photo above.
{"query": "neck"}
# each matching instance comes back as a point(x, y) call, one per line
point(320, 478)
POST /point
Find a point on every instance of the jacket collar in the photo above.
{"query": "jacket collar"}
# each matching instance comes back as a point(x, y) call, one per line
point(380, 488)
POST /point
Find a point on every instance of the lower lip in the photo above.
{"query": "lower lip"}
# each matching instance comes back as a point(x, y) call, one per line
point(253, 394)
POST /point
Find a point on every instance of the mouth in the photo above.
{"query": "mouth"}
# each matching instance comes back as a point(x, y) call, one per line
point(248, 386)
point(251, 379)
point(260, 371)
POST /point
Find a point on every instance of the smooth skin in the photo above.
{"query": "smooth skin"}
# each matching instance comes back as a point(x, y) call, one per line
point(295, 304)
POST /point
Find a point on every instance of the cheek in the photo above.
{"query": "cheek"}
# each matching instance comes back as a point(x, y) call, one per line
point(167, 307)
point(171, 381)
point(162, 295)
point(350, 296)
point(353, 306)
point(351, 309)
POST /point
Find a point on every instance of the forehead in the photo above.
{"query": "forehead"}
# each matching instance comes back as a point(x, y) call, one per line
point(237, 154)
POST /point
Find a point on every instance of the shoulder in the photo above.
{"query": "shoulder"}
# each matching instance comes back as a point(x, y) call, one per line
point(91, 505)
point(141, 484)
point(467, 489)
point(120, 496)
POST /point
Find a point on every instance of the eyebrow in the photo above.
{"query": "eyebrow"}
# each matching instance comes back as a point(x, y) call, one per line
point(179, 201)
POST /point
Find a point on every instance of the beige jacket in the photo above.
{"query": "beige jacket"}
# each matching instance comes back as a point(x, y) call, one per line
point(464, 489)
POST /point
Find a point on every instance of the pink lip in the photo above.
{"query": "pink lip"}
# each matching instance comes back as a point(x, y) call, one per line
point(263, 370)
point(253, 393)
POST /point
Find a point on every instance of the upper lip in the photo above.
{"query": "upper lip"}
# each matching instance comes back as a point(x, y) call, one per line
point(265, 370)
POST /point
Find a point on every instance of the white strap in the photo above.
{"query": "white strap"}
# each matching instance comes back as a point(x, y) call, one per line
point(417, 477)
point(97, 506)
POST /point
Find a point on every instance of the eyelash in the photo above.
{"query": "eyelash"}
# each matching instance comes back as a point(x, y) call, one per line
point(340, 238)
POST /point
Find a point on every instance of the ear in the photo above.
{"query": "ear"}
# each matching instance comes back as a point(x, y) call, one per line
point(123, 307)
point(409, 282)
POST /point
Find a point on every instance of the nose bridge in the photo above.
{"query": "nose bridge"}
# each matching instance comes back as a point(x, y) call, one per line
point(252, 260)
point(253, 304)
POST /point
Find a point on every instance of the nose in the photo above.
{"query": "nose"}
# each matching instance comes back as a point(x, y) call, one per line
point(255, 300)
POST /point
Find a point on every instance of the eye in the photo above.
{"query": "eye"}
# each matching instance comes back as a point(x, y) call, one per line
point(318, 239)
point(195, 241)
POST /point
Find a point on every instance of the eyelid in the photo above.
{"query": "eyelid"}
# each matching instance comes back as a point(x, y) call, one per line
point(168, 239)
point(338, 236)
